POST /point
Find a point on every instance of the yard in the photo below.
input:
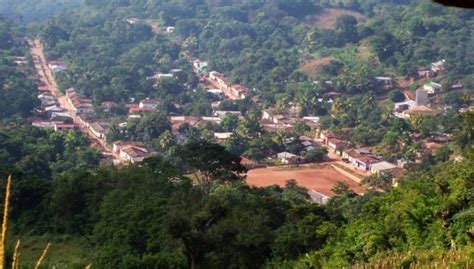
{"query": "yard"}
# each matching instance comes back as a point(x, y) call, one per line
point(320, 179)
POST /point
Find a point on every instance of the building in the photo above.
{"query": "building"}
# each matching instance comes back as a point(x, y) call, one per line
point(360, 158)
point(222, 113)
point(200, 66)
point(99, 129)
point(222, 136)
point(289, 158)
point(216, 92)
point(149, 104)
point(131, 152)
point(79, 104)
point(57, 66)
point(421, 97)
point(382, 167)
point(220, 79)
point(384, 82)
point(424, 72)
point(64, 126)
point(239, 91)
point(438, 66)
point(432, 87)
point(419, 110)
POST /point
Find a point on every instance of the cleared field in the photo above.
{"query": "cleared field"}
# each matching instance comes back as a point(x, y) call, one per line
point(327, 20)
point(320, 179)
point(311, 67)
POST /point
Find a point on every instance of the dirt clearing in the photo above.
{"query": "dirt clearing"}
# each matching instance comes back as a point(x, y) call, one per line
point(320, 179)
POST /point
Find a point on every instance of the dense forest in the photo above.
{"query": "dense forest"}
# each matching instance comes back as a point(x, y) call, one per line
point(26, 11)
point(190, 206)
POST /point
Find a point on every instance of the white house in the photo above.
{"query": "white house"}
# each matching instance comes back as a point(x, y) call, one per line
point(432, 87)
point(222, 136)
point(289, 158)
point(381, 167)
point(149, 104)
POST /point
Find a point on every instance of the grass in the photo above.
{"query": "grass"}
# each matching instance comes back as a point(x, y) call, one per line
point(461, 259)
point(64, 252)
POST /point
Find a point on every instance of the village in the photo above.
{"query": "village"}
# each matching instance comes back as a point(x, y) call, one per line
point(69, 110)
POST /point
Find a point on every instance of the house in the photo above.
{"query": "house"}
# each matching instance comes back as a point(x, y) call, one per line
point(216, 92)
point(108, 105)
point(200, 66)
point(438, 66)
point(382, 167)
point(57, 66)
point(63, 126)
point(60, 117)
point(222, 136)
point(159, 76)
point(118, 145)
point(212, 119)
point(432, 87)
point(360, 158)
point(79, 104)
point(149, 104)
point(419, 110)
point(130, 151)
point(43, 88)
point(43, 124)
point(169, 29)
point(220, 79)
point(133, 21)
point(400, 108)
point(424, 72)
point(222, 113)
point(83, 108)
point(99, 129)
point(239, 91)
point(337, 145)
point(421, 97)
point(384, 82)
point(289, 158)
point(51, 109)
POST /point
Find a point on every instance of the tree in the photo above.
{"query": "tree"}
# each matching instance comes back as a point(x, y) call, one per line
point(396, 96)
point(212, 162)
point(315, 155)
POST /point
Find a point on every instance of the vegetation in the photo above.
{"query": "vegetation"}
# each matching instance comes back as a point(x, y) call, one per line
point(189, 206)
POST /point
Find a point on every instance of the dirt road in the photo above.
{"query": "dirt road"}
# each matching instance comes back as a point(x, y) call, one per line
point(47, 78)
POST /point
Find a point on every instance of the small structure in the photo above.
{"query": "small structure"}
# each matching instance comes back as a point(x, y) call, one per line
point(222, 113)
point(289, 158)
point(382, 167)
point(424, 72)
point(222, 136)
point(360, 158)
point(149, 104)
point(421, 97)
point(63, 126)
point(438, 66)
point(200, 66)
point(130, 152)
point(216, 92)
point(99, 129)
point(57, 66)
point(432, 87)
point(384, 82)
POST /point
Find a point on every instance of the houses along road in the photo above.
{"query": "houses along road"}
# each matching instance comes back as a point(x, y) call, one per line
point(47, 78)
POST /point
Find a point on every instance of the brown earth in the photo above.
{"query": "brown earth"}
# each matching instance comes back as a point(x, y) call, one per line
point(311, 67)
point(327, 20)
point(320, 179)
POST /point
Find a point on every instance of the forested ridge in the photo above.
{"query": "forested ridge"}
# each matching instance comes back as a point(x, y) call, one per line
point(189, 206)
